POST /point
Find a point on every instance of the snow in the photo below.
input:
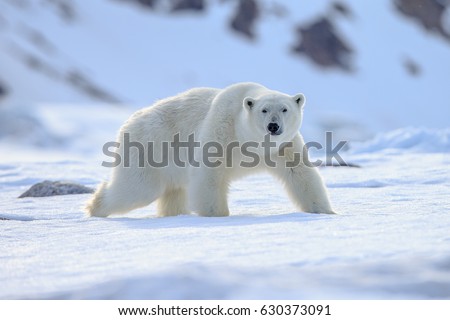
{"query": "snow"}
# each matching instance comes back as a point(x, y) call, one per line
point(390, 239)
point(416, 139)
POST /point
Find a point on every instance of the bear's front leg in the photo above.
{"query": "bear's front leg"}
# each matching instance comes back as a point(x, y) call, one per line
point(302, 181)
point(209, 192)
point(307, 190)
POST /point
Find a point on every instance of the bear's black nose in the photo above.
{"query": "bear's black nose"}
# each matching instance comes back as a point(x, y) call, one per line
point(273, 127)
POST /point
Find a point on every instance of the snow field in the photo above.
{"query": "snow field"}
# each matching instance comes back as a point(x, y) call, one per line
point(390, 239)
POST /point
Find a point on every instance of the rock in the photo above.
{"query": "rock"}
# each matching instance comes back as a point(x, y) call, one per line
point(412, 67)
point(320, 42)
point(342, 9)
point(65, 9)
point(55, 188)
point(428, 13)
point(3, 91)
point(84, 84)
point(146, 4)
point(188, 5)
point(245, 18)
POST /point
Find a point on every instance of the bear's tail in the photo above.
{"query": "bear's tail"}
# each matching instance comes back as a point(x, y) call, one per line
point(97, 207)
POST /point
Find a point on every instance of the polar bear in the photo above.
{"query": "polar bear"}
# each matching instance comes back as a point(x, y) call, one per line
point(227, 133)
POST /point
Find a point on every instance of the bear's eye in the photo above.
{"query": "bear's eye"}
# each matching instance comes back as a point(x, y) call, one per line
point(264, 111)
point(284, 110)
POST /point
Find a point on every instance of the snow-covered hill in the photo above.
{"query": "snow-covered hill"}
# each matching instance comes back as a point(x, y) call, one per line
point(60, 51)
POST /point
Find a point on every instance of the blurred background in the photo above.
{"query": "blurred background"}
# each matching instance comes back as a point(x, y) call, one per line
point(72, 71)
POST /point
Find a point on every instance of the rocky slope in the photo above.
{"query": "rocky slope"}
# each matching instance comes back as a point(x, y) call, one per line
point(321, 39)
point(135, 51)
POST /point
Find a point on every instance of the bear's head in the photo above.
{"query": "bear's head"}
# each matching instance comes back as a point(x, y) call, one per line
point(276, 114)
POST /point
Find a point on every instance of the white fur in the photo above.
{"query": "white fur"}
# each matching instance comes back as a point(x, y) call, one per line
point(234, 114)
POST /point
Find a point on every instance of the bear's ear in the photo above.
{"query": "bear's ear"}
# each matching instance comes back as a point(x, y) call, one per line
point(300, 99)
point(249, 103)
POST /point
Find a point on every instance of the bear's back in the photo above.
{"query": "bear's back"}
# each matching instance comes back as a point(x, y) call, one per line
point(181, 114)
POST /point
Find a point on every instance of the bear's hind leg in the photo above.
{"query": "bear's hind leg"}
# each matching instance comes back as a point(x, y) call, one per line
point(173, 202)
point(116, 198)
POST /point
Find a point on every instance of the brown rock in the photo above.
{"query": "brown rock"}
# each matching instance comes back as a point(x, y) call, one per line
point(245, 17)
point(320, 42)
point(428, 13)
